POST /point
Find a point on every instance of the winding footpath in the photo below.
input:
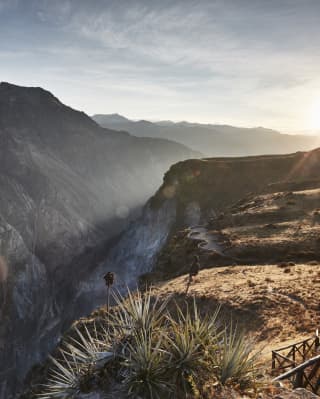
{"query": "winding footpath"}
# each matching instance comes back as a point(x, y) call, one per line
point(208, 241)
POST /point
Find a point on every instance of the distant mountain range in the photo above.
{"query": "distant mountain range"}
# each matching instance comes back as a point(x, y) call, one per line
point(213, 140)
point(67, 187)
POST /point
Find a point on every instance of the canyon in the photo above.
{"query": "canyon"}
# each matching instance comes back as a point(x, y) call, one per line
point(68, 189)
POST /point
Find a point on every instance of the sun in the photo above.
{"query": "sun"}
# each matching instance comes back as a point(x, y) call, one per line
point(315, 115)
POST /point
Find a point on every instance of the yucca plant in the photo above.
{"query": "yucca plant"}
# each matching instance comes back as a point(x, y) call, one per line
point(65, 378)
point(189, 340)
point(89, 348)
point(76, 365)
point(156, 354)
point(146, 367)
point(205, 329)
point(138, 312)
point(185, 357)
point(235, 359)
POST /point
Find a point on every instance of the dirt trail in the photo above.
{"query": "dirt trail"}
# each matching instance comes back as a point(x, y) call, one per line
point(208, 241)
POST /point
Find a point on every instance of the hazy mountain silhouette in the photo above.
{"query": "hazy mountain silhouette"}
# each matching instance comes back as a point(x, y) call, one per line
point(214, 140)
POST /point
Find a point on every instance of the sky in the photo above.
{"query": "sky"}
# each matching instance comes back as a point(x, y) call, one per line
point(240, 62)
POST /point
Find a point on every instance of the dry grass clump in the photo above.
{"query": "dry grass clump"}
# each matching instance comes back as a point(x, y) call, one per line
point(150, 352)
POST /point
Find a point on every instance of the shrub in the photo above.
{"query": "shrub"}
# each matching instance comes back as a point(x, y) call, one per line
point(146, 366)
point(186, 342)
point(234, 359)
point(71, 373)
point(138, 312)
point(151, 352)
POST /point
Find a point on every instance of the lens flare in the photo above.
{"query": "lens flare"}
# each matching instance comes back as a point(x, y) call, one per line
point(315, 115)
point(169, 191)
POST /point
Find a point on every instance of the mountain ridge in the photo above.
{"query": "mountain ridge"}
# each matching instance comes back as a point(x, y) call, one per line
point(215, 140)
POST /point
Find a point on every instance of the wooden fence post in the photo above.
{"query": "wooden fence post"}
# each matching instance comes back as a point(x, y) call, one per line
point(273, 360)
point(298, 383)
point(317, 341)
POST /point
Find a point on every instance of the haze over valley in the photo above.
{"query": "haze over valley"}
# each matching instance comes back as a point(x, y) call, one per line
point(159, 199)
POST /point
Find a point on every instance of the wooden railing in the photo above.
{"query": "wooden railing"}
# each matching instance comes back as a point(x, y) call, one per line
point(290, 356)
point(302, 372)
point(306, 375)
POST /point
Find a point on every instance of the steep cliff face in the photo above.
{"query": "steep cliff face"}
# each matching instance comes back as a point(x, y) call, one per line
point(203, 188)
point(67, 188)
point(133, 255)
point(25, 298)
point(136, 251)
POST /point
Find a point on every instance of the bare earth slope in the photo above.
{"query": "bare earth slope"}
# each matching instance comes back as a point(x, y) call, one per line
point(274, 303)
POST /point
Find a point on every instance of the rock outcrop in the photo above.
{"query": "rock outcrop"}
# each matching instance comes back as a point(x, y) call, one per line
point(204, 188)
